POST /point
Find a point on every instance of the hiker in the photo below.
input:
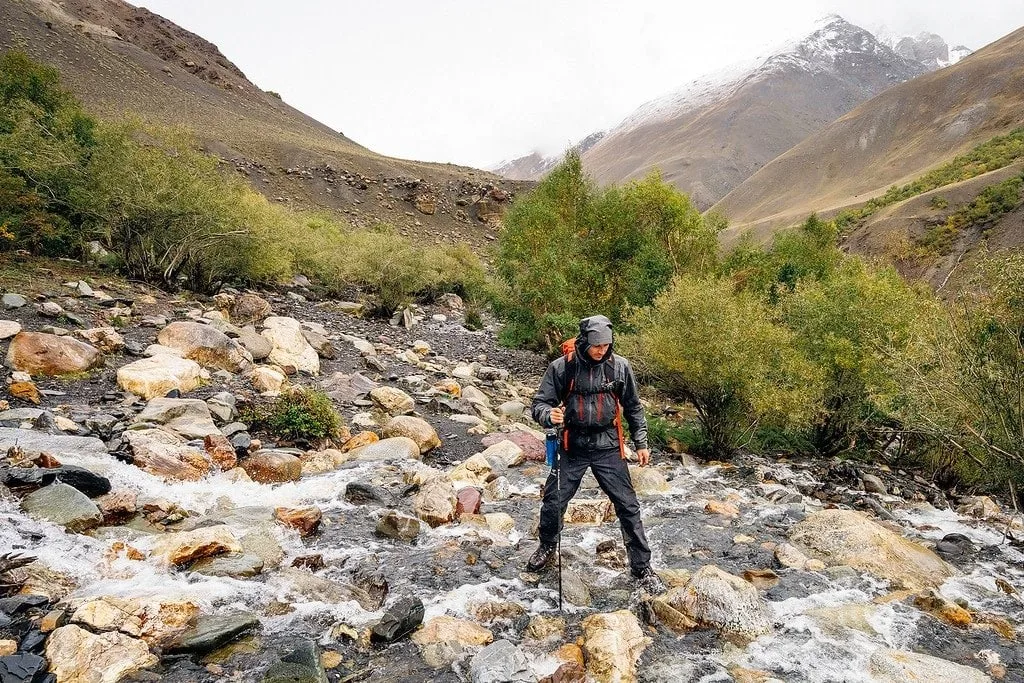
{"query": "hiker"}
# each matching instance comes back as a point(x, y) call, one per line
point(587, 391)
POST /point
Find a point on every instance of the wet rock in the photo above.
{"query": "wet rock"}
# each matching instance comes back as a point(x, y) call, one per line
point(402, 618)
point(310, 586)
point(574, 590)
point(475, 471)
point(788, 555)
point(449, 629)
point(205, 345)
point(45, 354)
point(165, 455)
point(26, 391)
point(188, 417)
point(717, 599)
point(258, 346)
point(896, 666)
point(75, 654)
point(595, 511)
point(613, 642)
point(392, 401)
point(500, 662)
point(850, 538)
point(290, 348)
point(63, 505)
point(267, 380)
point(545, 628)
point(155, 621)
point(398, 448)
point(89, 483)
point(398, 526)
point(648, 481)
point(263, 543)
point(305, 520)
point(946, 610)
point(249, 308)
point(955, 546)
point(981, 507)
point(435, 502)
point(497, 489)
point(183, 547)
point(302, 665)
point(762, 579)
point(23, 477)
point(211, 632)
point(270, 467)
point(359, 493)
point(221, 451)
point(235, 565)
point(468, 501)
point(414, 428)
point(725, 509)
point(159, 375)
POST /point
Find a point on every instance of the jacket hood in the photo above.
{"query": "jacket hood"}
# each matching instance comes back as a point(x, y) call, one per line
point(596, 329)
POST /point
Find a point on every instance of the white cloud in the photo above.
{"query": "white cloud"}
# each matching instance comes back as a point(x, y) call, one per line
point(471, 83)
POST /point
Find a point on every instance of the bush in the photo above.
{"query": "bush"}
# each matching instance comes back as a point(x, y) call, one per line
point(965, 378)
point(720, 350)
point(850, 325)
point(570, 249)
point(301, 415)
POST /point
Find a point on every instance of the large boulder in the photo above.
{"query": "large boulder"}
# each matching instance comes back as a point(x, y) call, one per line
point(182, 547)
point(614, 643)
point(415, 428)
point(157, 376)
point(648, 481)
point(435, 502)
point(290, 347)
point(444, 628)
point(717, 599)
point(271, 467)
point(847, 537)
point(345, 388)
point(508, 453)
point(166, 455)
point(500, 662)
point(63, 505)
point(76, 655)
point(155, 621)
point(188, 417)
point(213, 631)
point(530, 442)
point(205, 345)
point(397, 448)
point(38, 353)
point(896, 666)
point(255, 343)
point(249, 308)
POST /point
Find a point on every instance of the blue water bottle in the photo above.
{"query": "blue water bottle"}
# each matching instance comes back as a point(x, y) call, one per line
point(551, 447)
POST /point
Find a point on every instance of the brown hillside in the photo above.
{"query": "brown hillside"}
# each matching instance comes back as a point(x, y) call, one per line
point(120, 59)
point(888, 140)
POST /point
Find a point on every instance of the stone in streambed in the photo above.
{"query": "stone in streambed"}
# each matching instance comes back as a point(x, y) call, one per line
point(402, 618)
point(211, 632)
point(63, 505)
point(157, 376)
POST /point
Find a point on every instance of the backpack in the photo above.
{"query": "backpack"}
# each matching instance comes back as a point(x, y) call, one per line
point(571, 368)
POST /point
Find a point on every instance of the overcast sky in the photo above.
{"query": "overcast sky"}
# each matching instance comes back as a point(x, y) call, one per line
point(475, 83)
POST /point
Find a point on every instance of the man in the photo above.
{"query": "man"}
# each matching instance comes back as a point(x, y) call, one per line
point(583, 395)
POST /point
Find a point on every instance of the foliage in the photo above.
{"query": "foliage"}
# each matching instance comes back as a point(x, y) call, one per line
point(988, 207)
point(849, 325)
point(570, 249)
point(990, 155)
point(965, 378)
point(719, 349)
point(301, 415)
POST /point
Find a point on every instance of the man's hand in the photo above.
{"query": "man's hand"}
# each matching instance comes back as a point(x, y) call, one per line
point(557, 415)
point(644, 456)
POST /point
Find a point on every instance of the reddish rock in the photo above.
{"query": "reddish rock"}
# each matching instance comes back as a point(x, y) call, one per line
point(38, 353)
point(26, 391)
point(468, 501)
point(305, 520)
point(220, 450)
point(249, 308)
point(269, 467)
point(359, 440)
point(533, 447)
point(117, 507)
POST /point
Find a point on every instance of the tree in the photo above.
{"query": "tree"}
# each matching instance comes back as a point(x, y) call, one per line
point(719, 349)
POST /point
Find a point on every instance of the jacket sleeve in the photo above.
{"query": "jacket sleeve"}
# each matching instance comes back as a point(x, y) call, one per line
point(632, 409)
point(547, 394)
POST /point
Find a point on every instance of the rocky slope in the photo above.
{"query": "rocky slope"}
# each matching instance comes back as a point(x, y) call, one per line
point(534, 166)
point(150, 534)
point(124, 60)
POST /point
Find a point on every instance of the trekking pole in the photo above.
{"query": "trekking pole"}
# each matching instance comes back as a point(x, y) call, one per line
point(561, 517)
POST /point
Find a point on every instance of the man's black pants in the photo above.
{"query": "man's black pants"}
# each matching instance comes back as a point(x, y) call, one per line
point(612, 474)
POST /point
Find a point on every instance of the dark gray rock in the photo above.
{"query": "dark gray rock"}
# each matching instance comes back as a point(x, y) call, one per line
point(954, 546)
point(358, 493)
point(12, 300)
point(398, 526)
point(873, 484)
point(301, 665)
point(348, 388)
point(89, 483)
point(22, 668)
point(401, 619)
point(210, 632)
point(238, 566)
point(20, 477)
point(500, 662)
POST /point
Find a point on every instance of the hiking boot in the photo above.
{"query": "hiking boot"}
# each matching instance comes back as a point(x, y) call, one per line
point(650, 582)
point(541, 556)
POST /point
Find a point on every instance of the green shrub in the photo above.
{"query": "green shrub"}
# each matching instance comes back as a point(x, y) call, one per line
point(991, 204)
point(300, 415)
point(719, 349)
point(570, 249)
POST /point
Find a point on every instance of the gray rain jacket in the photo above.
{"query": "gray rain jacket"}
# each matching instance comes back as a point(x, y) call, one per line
point(588, 410)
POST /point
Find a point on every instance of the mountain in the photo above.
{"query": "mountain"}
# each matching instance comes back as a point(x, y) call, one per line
point(125, 60)
point(888, 140)
point(533, 166)
point(713, 133)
